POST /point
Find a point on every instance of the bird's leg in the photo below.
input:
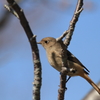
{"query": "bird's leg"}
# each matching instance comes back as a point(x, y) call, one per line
point(68, 79)
point(71, 70)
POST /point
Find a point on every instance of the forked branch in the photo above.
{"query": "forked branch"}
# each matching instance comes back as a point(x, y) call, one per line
point(68, 35)
point(14, 8)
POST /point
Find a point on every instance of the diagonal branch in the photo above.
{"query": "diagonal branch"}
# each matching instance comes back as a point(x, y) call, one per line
point(67, 40)
point(73, 22)
point(15, 9)
point(68, 33)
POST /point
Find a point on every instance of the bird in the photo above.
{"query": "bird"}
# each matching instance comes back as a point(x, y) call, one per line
point(56, 52)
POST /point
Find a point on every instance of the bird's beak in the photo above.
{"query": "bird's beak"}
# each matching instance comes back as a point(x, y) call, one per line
point(39, 42)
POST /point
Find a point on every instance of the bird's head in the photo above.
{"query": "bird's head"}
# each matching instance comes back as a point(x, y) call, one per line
point(47, 42)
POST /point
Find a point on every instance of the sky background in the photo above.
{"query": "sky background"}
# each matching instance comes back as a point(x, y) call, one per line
point(48, 19)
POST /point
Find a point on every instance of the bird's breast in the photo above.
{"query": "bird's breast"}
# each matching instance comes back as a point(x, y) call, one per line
point(55, 61)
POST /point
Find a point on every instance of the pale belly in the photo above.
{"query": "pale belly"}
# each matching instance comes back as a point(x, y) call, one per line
point(57, 64)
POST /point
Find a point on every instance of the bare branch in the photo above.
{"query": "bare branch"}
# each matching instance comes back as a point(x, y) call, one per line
point(62, 86)
point(35, 52)
point(68, 33)
point(11, 10)
point(62, 36)
point(67, 40)
point(73, 22)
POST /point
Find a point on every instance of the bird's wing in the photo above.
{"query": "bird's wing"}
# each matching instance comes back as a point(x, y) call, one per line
point(71, 57)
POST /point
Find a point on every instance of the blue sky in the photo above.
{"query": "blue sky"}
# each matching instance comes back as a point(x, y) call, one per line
point(16, 66)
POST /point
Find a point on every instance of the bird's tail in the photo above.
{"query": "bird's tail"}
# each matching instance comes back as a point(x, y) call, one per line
point(91, 82)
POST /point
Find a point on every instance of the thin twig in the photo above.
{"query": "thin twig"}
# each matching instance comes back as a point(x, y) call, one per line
point(73, 22)
point(11, 10)
point(67, 40)
point(62, 36)
point(35, 52)
point(68, 33)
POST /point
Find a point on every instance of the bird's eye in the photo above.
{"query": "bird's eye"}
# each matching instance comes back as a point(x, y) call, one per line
point(46, 42)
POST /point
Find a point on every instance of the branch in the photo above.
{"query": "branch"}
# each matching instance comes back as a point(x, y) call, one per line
point(13, 6)
point(62, 88)
point(73, 22)
point(67, 40)
point(68, 33)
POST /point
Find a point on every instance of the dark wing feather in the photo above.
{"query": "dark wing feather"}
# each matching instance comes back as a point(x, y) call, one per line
point(71, 57)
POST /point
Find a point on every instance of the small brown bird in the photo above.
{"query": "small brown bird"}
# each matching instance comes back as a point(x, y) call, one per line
point(55, 50)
